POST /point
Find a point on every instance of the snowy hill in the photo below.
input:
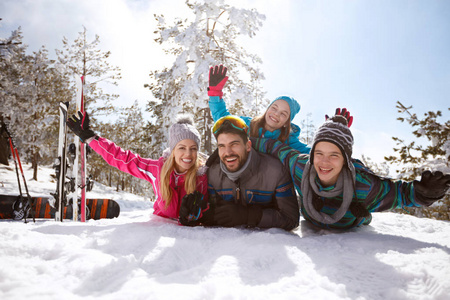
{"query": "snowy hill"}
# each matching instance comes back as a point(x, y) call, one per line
point(142, 256)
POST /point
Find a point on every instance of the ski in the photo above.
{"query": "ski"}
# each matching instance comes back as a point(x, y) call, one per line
point(96, 208)
point(76, 141)
point(83, 161)
point(61, 162)
point(80, 106)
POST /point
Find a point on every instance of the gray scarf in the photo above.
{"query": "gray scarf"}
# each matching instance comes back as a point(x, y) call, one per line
point(235, 175)
point(344, 185)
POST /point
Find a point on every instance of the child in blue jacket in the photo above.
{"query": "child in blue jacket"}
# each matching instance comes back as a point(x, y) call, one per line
point(274, 124)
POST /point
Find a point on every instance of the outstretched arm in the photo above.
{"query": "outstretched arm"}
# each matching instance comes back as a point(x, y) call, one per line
point(115, 156)
point(386, 194)
point(217, 80)
point(218, 108)
point(292, 159)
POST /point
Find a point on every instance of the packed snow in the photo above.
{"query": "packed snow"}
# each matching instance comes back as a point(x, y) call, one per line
point(142, 256)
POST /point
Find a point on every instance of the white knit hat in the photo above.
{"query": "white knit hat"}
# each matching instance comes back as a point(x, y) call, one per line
point(181, 130)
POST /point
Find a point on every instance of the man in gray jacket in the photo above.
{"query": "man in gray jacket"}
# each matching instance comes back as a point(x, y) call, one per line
point(248, 188)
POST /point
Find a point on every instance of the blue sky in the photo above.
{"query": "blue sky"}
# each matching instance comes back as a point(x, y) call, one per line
point(363, 55)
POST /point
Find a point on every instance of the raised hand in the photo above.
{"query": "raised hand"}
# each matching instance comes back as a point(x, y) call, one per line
point(79, 124)
point(342, 113)
point(217, 79)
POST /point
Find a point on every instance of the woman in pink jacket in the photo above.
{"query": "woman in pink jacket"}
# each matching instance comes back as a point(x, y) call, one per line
point(178, 177)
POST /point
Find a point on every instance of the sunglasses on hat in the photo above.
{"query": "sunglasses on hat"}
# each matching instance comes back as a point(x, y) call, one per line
point(236, 122)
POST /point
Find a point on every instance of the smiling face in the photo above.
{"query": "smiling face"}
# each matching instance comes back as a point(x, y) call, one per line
point(277, 115)
point(185, 153)
point(328, 162)
point(233, 151)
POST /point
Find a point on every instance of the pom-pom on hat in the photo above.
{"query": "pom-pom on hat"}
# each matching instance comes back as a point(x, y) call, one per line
point(293, 105)
point(181, 130)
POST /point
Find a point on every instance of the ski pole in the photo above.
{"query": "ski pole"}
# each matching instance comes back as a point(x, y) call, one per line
point(16, 159)
point(30, 200)
point(15, 163)
point(15, 154)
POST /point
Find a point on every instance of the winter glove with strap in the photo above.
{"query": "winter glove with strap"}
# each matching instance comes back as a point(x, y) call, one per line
point(80, 126)
point(191, 209)
point(431, 187)
point(230, 215)
point(217, 80)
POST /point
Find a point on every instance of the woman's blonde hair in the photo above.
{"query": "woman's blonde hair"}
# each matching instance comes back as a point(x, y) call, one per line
point(260, 122)
point(190, 183)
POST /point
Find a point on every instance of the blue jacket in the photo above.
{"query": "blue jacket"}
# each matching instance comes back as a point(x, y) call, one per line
point(219, 109)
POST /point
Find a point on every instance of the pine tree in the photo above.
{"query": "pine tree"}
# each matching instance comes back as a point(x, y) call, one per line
point(13, 61)
point(46, 89)
point(416, 158)
point(83, 58)
point(31, 89)
point(197, 45)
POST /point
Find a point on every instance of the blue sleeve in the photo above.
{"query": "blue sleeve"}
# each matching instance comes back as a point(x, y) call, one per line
point(218, 108)
point(294, 142)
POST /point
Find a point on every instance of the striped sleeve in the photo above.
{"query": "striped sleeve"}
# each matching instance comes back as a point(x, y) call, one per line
point(292, 159)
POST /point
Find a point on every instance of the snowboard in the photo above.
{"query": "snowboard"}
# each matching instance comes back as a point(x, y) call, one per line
point(96, 208)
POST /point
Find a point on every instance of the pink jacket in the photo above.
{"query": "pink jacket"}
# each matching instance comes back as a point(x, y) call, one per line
point(149, 169)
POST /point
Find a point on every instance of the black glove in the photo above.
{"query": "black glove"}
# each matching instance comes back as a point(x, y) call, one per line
point(431, 187)
point(80, 126)
point(191, 208)
point(230, 215)
point(217, 79)
point(339, 114)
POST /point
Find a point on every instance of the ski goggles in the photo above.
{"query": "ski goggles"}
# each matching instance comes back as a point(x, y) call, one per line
point(236, 122)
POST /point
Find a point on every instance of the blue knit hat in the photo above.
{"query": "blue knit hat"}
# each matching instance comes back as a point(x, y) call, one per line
point(293, 105)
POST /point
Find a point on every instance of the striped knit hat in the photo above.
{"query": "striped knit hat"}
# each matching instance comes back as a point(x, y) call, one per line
point(336, 131)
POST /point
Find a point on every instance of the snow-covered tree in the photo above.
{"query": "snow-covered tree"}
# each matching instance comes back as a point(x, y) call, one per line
point(308, 130)
point(13, 68)
point(415, 158)
point(46, 89)
point(209, 38)
point(31, 89)
point(84, 58)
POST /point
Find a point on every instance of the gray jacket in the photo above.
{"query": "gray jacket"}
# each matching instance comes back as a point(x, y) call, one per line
point(265, 182)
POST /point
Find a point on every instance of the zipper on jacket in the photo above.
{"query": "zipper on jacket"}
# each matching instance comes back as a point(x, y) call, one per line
point(238, 190)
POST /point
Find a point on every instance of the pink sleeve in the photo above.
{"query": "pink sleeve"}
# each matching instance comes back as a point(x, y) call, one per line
point(126, 161)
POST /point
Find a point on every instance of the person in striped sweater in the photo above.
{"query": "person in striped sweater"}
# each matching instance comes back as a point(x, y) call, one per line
point(338, 191)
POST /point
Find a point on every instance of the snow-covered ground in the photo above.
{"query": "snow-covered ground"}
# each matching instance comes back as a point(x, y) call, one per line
point(142, 256)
